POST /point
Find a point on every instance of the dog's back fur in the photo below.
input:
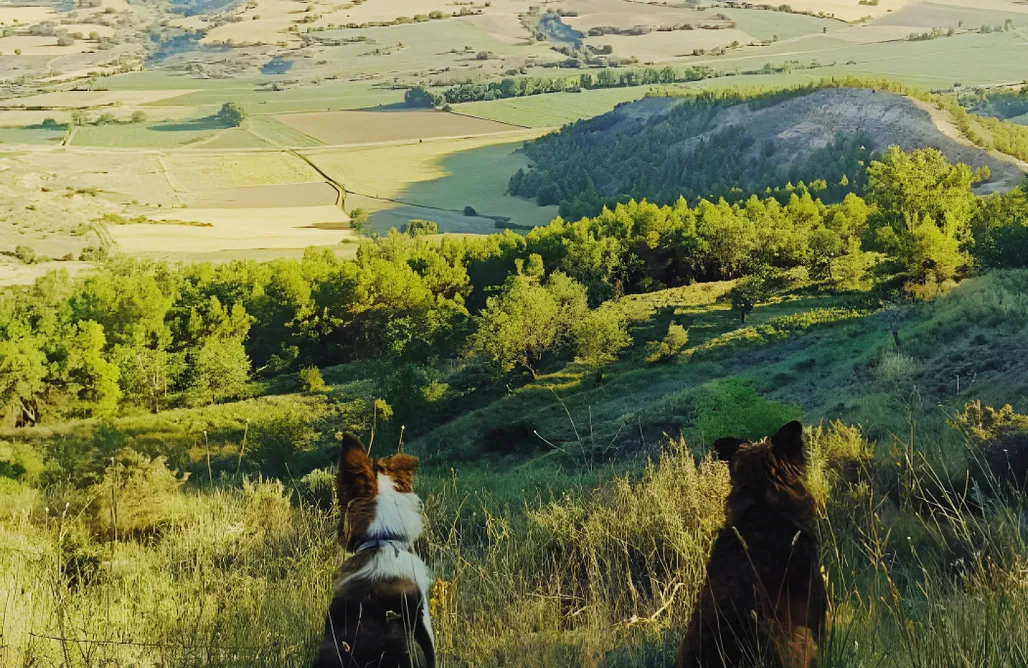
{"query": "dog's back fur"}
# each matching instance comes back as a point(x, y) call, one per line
point(379, 613)
point(764, 601)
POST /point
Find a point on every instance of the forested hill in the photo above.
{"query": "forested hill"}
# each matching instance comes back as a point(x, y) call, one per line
point(662, 147)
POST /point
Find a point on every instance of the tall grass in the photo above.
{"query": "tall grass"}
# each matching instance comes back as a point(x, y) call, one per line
point(925, 564)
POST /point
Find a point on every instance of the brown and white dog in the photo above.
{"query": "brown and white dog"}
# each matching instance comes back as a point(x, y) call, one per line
point(379, 613)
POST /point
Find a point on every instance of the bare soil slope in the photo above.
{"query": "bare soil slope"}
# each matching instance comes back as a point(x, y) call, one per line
point(802, 124)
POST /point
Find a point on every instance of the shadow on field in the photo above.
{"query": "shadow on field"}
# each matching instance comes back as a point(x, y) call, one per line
point(206, 123)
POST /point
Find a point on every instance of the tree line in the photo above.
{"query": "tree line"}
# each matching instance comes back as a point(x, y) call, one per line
point(144, 334)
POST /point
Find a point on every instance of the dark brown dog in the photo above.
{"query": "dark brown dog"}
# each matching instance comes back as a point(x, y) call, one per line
point(379, 613)
point(764, 600)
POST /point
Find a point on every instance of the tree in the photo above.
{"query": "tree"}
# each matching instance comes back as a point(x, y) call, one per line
point(93, 379)
point(421, 97)
point(50, 124)
point(470, 211)
point(417, 228)
point(359, 219)
point(519, 327)
point(220, 371)
point(147, 375)
point(231, 114)
point(825, 246)
point(600, 336)
point(746, 294)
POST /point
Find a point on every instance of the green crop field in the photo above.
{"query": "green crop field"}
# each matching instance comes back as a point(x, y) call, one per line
point(449, 174)
point(553, 110)
point(765, 25)
point(326, 95)
point(278, 133)
point(235, 138)
point(30, 136)
point(163, 135)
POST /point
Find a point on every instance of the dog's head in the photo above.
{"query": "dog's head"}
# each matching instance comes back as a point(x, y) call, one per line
point(770, 473)
point(376, 497)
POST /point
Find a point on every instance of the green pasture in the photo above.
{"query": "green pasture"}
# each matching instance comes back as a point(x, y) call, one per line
point(278, 133)
point(158, 135)
point(765, 25)
point(553, 110)
point(326, 95)
point(30, 136)
point(478, 178)
point(236, 138)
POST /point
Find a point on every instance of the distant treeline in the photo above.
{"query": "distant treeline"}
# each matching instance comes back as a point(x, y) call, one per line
point(144, 334)
point(606, 78)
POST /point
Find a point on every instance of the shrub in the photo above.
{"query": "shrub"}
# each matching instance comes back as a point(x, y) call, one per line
point(318, 488)
point(137, 497)
point(283, 439)
point(20, 462)
point(138, 116)
point(731, 407)
point(25, 253)
point(312, 381)
point(470, 211)
point(676, 339)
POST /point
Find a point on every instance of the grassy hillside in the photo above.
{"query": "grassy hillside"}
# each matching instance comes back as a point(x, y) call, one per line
point(549, 553)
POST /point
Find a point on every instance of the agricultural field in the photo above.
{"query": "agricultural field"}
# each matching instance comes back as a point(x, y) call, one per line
point(553, 110)
point(435, 180)
point(329, 75)
point(373, 127)
point(234, 229)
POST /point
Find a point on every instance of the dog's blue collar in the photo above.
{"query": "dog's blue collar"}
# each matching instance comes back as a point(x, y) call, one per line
point(376, 543)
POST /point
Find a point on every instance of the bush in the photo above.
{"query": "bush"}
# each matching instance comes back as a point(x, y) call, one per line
point(137, 497)
point(283, 439)
point(731, 407)
point(138, 116)
point(312, 381)
point(676, 339)
point(470, 211)
point(50, 124)
point(318, 488)
point(20, 462)
point(25, 253)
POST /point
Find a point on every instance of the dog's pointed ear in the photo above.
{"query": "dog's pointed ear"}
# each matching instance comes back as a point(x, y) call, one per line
point(788, 441)
point(727, 447)
point(399, 463)
point(355, 477)
point(400, 469)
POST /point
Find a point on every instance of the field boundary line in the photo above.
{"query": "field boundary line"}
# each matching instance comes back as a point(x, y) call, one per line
point(340, 189)
point(494, 120)
point(166, 173)
point(499, 219)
